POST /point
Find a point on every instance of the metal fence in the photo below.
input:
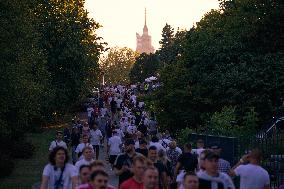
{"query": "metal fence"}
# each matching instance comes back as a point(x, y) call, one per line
point(233, 148)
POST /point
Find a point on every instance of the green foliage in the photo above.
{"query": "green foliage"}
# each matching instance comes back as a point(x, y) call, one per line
point(234, 57)
point(170, 45)
point(48, 60)
point(146, 65)
point(117, 64)
point(72, 49)
point(183, 135)
point(221, 122)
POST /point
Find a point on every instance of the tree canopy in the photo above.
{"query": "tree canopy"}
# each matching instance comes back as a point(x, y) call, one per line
point(232, 57)
point(146, 65)
point(116, 65)
point(49, 58)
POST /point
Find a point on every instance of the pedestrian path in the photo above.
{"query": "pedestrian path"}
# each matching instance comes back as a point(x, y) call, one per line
point(113, 179)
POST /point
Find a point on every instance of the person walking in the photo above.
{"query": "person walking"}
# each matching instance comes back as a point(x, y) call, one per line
point(82, 145)
point(124, 161)
point(136, 182)
point(95, 139)
point(252, 175)
point(223, 165)
point(190, 181)
point(151, 178)
point(114, 147)
point(75, 141)
point(58, 141)
point(58, 173)
point(186, 160)
point(87, 158)
point(98, 180)
point(153, 156)
point(211, 178)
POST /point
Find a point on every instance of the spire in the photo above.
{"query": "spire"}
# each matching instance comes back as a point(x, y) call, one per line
point(145, 29)
point(145, 17)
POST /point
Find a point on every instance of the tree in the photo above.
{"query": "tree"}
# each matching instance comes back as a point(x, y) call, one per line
point(233, 57)
point(166, 43)
point(72, 48)
point(117, 65)
point(145, 65)
point(23, 75)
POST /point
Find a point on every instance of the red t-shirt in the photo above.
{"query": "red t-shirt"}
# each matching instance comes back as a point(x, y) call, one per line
point(131, 183)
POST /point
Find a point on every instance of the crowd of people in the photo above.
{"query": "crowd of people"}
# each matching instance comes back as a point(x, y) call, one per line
point(141, 156)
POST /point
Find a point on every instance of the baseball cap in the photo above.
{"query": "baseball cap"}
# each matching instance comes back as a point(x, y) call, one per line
point(129, 141)
point(211, 155)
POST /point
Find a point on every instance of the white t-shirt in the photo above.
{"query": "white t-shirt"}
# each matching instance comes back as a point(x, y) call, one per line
point(176, 149)
point(55, 143)
point(165, 142)
point(114, 143)
point(81, 162)
point(103, 111)
point(81, 146)
point(68, 174)
point(131, 129)
point(252, 176)
point(120, 133)
point(141, 104)
point(124, 125)
point(180, 179)
point(133, 99)
point(95, 137)
point(90, 110)
point(158, 146)
point(118, 103)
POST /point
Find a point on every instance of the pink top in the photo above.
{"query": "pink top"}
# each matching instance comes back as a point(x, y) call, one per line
point(89, 186)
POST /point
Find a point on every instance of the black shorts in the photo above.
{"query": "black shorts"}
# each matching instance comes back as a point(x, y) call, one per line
point(112, 159)
point(96, 148)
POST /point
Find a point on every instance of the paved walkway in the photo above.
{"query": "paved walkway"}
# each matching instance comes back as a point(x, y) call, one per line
point(113, 179)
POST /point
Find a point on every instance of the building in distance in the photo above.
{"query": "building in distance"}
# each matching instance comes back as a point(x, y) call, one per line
point(144, 42)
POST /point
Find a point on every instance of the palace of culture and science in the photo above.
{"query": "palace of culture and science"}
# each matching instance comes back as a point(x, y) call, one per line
point(144, 42)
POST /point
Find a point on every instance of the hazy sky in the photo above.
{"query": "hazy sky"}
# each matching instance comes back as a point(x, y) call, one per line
point(121, 19)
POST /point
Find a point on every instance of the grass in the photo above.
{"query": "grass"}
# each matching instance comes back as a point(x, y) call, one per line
point(28, 171)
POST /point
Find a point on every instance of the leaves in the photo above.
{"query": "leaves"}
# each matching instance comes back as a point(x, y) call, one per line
point(231, 58)
point(117, 64)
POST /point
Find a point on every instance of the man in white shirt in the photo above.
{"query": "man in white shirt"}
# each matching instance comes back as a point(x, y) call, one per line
point(104, 111)
point(81, 146)
point(123, 124)
point(211, 177)
point(252, 175)
point(96, 136)
point(119, 132)
point(90, 111)
point(58, 141)
point(87, 158)
point(114, 147)
point(131, 129)
point(155, 142)
point(118, 102)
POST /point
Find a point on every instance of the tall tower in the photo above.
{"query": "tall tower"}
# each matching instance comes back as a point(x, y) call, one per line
point(144, 42)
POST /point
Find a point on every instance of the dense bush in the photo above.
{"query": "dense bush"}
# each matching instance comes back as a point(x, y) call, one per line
point(6, 165)
point(22, 149)
point(233, 57)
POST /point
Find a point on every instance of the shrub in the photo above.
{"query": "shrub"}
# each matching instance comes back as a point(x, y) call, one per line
point(6, 165)
point(22, 149)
